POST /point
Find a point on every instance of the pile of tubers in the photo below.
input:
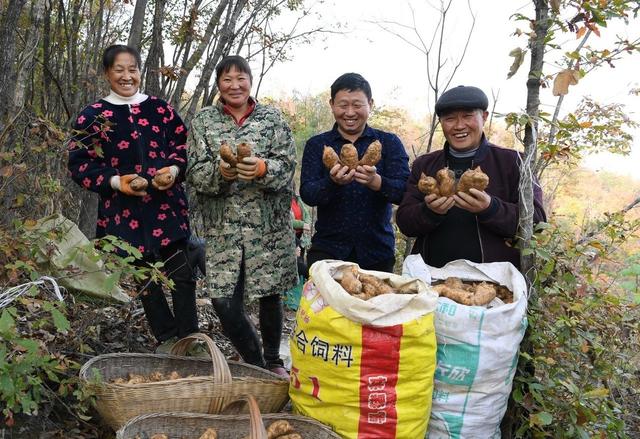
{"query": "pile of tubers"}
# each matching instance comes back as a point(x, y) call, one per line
point(472, 293)
point(281, 429)
point(349, 156)
point(444, 184)
point(226, 153)
point(365, 286)
point(154, 377)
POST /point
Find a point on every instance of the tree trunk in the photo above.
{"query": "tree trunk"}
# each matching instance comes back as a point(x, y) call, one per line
point(514, 414)
point(226, 36)
point(137, 24)
point(193, 60)
point(11, 16)
point(152, 66)
point(525, 226)
point(30, 50)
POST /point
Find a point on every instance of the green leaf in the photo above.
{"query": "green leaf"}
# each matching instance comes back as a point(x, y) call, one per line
point(30, 345)
point(542, 418)
point(111, 281)
point(61, 322)
point(600, 392)
point(7, 324)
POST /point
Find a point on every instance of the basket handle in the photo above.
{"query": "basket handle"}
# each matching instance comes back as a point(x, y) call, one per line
point(256, 429)
point(221, 373)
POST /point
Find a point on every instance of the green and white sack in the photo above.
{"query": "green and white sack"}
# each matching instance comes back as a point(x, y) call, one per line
point(477, 350)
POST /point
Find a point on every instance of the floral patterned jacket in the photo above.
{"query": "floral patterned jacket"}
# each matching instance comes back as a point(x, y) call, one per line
point(124, 139)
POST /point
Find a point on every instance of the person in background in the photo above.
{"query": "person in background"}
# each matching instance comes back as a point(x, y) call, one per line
point(128, 137)
point(301, 221)
point(246, 212)
point(479, 226)
point(354, 206)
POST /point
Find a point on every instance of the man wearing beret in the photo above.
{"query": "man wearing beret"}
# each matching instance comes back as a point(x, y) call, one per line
point(478, 226)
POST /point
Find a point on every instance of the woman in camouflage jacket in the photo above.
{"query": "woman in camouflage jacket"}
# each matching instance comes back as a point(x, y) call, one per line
point(245, 211)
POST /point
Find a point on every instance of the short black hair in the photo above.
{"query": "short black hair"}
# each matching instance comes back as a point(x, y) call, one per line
point(351, 82)
point(233, 61)
point(110, 53)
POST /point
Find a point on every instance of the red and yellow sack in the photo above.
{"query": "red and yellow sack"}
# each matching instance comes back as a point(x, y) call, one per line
point(365, 368)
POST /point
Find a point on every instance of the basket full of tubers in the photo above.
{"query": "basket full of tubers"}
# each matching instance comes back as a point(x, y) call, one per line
point(129, 384)
point(225, 426)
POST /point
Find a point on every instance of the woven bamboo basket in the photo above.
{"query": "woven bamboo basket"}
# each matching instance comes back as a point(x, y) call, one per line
point(209, 386)
point(227, 426)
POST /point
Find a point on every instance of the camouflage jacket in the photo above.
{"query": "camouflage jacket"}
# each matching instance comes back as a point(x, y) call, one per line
point(245, 219)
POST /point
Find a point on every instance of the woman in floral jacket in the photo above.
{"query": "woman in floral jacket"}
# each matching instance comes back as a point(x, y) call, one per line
point(125, 140)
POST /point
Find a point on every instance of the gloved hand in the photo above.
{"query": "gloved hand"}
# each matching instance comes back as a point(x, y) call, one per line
point(127, 185)
point(227, 171)
point(250, 168)
point(165, 177)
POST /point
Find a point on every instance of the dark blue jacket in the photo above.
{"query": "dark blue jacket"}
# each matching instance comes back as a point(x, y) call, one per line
point(353, 218)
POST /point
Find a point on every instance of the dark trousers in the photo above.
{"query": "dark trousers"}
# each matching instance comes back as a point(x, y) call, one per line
point(237, 326)
point(184, 319)
point(315, 255)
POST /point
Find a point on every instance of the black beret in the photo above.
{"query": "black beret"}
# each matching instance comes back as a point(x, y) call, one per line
point(462, 97)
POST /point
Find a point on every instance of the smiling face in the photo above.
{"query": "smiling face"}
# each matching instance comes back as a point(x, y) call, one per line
point(351, 111)
point(124, 75)
point(463, 128)
point(234, 87)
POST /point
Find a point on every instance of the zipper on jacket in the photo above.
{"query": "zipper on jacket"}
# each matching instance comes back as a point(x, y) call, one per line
point(141, 210)
point(478, 227)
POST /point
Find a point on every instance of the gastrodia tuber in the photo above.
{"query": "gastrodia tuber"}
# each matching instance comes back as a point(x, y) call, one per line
point(372, 155)
point(139, 184)
point(329, 157)
point(473, 178)
point(349, 156)
point(278, 429)
point(244, 150)
point(428, 185)
point(470, 294)
point(160, 180)
point(227, 154)
point(446, 182)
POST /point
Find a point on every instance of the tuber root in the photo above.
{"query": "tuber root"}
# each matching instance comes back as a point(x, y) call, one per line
point(350, 281)
point(473, 178)
point(329, 157)
point(365, 286)
point(226, 153)
point(470, 294)
point(428, 185)
point(378, 286)
point(161, 180)
point(372, 155)
point(349, 156)
point(209, 433)
point(244, 150)
point(279, 428)
point(446, 182)
point(139, 184)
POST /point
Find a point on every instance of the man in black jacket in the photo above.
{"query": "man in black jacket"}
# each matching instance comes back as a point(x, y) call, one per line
point(480, 225)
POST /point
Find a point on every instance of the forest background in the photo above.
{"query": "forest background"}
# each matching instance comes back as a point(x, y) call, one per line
point(579, 371)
